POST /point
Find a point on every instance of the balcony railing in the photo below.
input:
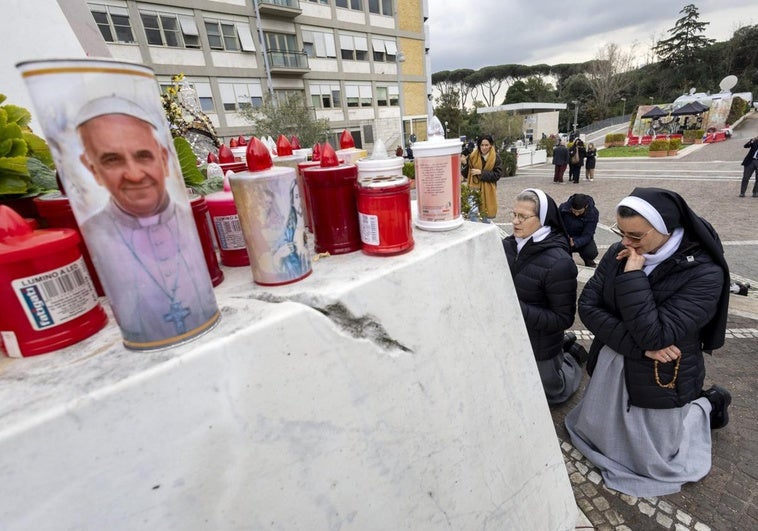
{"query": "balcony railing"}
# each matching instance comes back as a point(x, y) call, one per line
point(281, 61)
point(281, 8)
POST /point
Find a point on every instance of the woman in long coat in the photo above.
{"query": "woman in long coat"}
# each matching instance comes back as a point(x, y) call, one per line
point(657, 300)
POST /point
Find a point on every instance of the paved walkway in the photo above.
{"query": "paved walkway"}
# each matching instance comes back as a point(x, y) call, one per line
point(708, 177)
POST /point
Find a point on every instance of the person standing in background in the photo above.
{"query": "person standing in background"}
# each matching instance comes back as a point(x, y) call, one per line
point(591, 159)
point(577, 152)
point(483, 170)
point(560, 161)
point(751, 167)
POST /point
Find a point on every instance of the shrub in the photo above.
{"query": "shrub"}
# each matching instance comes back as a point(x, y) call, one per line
point(674, 144)
point(690, 135)
point(547, 143)
point(510, 163)
point(615, 137)
point(659, 145)
point(409, 170)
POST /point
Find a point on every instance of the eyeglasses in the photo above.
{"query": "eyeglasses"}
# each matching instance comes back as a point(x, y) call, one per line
point(634, 237)
point(520, 217)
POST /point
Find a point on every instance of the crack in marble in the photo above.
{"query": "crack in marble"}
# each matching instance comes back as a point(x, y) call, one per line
point(360, 327)
point(363, 327)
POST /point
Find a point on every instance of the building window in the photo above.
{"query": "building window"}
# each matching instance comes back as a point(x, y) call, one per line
point(325, 2)
point(113, 22)
point(384, 50)
point(353, 47)
point(318, 44)
point(325, 96)
point(167, 29)
point(380, 7)
point(387, 96)
point(281, 42)
point(283, 95)
point(229, 36)
point(352, 4)
point(358, 95)
point(239, 96)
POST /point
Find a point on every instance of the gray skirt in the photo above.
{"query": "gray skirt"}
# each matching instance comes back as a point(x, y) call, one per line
point(642, 452)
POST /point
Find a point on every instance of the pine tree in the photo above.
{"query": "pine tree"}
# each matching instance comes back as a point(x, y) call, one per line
point(685, 40)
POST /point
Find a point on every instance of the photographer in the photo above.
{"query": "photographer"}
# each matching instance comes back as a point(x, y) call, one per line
point(751, 167)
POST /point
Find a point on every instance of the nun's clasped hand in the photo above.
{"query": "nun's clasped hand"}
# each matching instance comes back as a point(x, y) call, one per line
point(664, 355)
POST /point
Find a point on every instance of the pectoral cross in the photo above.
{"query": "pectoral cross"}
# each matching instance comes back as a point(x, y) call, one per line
point(176, 315)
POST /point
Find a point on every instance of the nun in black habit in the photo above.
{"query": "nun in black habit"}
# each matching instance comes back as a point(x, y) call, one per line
point(656, 302)
point(544, 275)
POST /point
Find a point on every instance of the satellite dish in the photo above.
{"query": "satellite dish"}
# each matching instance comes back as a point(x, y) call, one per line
point(692, 91)
point(728, 83)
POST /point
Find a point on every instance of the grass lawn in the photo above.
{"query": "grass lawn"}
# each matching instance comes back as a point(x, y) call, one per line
point(623, 151)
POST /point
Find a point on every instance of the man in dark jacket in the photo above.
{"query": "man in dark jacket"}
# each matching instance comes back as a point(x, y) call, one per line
point(560, 160)
point(580, 217)
point(751, 166)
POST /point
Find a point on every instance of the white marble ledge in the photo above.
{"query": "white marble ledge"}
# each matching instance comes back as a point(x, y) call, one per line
point(40, 385)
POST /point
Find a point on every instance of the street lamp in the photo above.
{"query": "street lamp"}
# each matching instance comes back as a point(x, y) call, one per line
point(576, 114)
point(651, 99)
point(400, 58)
point(623, 106)
point(446, 129)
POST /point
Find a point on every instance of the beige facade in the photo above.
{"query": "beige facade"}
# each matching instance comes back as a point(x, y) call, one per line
point(361, 64)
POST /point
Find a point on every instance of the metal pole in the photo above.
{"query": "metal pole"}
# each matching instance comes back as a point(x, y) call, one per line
point(399, 60)
point(262, 40)
point(576, 114)
point(623, 107)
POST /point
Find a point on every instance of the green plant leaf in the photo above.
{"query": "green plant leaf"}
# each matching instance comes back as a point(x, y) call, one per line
point(18, 148)
point(214, 184)
point(3, 118)
point(13, 185)
point(5, 147)
point(39, 149)
point(13, 166)
point(42, 176)
point(188, 162)
point(18, 115)
point(10, 130)
point(3, 97)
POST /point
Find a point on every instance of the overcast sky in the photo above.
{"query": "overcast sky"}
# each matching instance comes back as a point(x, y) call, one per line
point(476, 33)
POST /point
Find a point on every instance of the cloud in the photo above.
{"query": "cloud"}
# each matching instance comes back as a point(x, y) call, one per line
point(493, 32)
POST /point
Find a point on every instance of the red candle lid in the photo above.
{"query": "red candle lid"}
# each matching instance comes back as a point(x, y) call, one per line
point(295, 141)
point(225, 154)
point(258, 156)
point(328, 156)
point(212, 157)
point(346, 140)
point(283, 147)
point(19, 242)
point(241, 141)
point(233, 143)
point(316, 156)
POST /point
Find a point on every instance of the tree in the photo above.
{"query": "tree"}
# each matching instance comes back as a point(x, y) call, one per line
point(502, 126)
point(685, 40)
point(606, 76)
point(287, 116)
point(447, 109)
point(531, 89)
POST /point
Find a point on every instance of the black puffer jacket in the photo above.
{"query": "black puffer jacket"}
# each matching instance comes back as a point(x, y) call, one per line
point(632, 313)
point(545, 278)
